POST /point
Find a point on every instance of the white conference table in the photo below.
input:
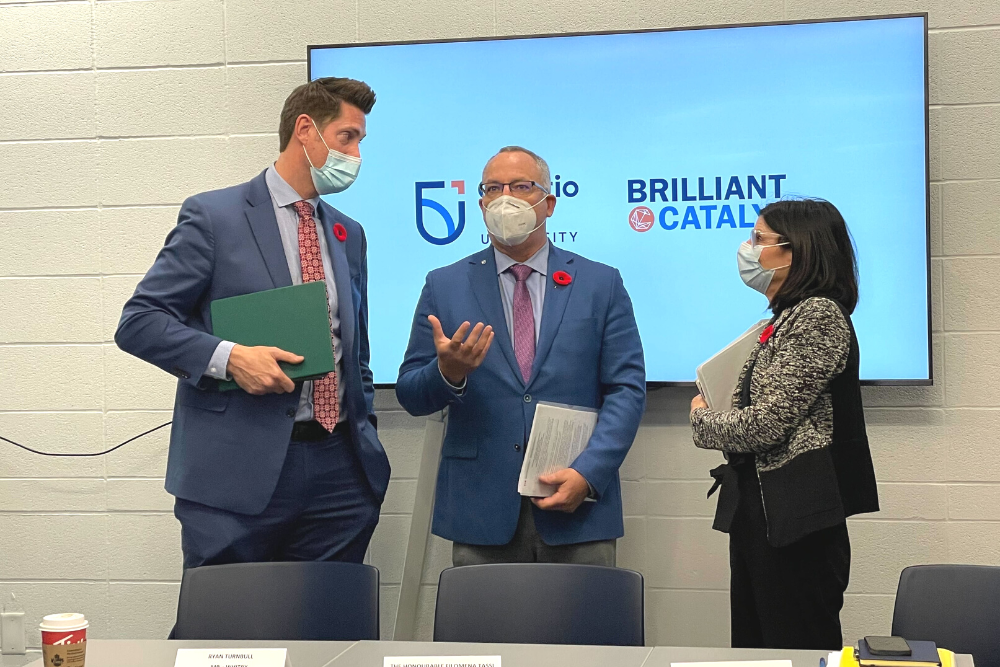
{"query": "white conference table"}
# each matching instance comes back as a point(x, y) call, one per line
point(162, 653)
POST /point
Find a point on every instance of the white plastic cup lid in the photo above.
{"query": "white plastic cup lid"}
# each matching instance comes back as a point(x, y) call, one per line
point(64, 622)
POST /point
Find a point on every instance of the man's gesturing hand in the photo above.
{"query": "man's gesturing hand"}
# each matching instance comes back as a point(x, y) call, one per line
point(572, 489)
point(257, 372)
point(456, 358)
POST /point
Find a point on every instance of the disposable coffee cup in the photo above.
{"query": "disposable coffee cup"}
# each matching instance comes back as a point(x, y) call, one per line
point(64, 640)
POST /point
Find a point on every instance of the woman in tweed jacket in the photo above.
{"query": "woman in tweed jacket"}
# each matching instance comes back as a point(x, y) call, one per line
point(798, 462)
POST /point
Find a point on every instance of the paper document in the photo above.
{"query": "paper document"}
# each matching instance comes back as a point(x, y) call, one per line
point(717, 378)
point(558, 434)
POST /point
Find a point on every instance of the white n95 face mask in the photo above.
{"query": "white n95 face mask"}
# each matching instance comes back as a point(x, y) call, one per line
point(337, 173)
point(751, 271)
point(511, 220)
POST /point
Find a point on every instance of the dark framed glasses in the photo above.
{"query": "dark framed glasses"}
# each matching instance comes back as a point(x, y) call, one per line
point(493, 189)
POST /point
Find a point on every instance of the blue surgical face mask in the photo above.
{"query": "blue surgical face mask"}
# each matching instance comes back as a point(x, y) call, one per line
point(751, 271)
point(337, 174)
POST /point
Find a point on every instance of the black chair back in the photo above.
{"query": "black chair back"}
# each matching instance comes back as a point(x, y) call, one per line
point(279, 601)
point(955, 606)
point(540, 603)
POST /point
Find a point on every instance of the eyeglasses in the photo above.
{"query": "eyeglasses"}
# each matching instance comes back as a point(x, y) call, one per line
point(757, 238)
point(492, 189)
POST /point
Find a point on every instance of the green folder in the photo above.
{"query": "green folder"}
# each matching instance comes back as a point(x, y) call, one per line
point(296, 319)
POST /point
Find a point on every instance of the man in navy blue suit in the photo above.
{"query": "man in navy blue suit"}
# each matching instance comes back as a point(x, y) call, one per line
point(551, 326)
point(276, 470)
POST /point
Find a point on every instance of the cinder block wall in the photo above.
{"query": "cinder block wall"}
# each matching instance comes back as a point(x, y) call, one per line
point(113, 112)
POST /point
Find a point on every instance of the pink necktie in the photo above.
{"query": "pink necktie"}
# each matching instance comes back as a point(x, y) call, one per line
point(524, 321)
point(326, 410)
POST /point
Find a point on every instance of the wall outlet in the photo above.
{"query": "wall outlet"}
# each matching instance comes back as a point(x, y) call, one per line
point(12, 633)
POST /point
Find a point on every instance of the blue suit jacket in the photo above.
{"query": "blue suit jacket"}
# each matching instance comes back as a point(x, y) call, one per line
point(588, 354)
point(227, 448)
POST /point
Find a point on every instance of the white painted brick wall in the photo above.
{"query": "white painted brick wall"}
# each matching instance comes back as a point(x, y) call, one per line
point(57, 105)
point(161, 102)
point(49, 36)
point(158, 34)
point(114, 112)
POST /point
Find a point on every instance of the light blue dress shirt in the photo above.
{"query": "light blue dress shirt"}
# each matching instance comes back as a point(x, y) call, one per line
point(283, 196)
point(536, 290)
point(539, 262)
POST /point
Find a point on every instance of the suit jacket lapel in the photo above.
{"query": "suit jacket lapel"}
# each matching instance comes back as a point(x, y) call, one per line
point(260, 215)
point(486, 287)
point(342, 277)
point(556, 298)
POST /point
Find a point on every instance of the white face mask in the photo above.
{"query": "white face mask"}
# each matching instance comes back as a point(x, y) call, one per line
point(511, 220)
point(751, 270)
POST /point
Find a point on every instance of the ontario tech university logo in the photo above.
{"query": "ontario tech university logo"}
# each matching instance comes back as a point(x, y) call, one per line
point(453, 231)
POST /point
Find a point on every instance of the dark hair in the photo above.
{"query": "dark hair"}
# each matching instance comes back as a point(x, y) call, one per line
point(823, 255)
point(321, 100)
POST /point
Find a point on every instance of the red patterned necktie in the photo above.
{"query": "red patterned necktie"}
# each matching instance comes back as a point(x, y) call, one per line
point(524, 321)
point(326, 409)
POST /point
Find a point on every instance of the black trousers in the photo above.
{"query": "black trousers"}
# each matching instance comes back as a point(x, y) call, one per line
point(788, 597)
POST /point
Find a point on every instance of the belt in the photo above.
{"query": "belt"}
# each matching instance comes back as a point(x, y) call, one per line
point(312, 431)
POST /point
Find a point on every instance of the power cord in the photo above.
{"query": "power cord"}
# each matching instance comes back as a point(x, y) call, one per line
point(35, 451)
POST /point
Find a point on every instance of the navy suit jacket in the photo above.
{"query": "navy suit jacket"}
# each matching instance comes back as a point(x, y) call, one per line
point(227, 448)
point(588, 354)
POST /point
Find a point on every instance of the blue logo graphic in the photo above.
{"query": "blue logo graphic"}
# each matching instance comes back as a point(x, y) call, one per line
point(453, 231)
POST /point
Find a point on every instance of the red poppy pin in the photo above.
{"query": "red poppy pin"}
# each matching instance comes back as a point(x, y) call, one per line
point(340, 232)
point(766, 334)
point(562, 278)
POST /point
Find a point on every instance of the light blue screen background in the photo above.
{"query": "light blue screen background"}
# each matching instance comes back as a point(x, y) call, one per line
point(838, 108)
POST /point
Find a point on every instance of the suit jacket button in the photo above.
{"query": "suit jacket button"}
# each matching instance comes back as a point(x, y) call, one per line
point(517, 448)
point(527, 398)
point(290, 412)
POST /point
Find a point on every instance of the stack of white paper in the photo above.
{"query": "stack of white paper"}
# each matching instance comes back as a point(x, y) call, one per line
point(558, 434)
point(717, 377)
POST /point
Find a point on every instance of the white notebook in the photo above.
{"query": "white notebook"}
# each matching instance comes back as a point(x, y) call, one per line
point(717, 377)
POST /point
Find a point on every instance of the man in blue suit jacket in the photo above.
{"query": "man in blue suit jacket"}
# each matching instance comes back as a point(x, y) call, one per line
point(552, 326)
point(276, 470)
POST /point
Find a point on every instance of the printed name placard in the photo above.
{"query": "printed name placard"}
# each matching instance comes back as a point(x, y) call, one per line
point(232, 657)
point(443, 661)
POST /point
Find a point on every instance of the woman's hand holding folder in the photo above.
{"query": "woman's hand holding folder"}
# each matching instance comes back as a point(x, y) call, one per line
point(698, 402)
